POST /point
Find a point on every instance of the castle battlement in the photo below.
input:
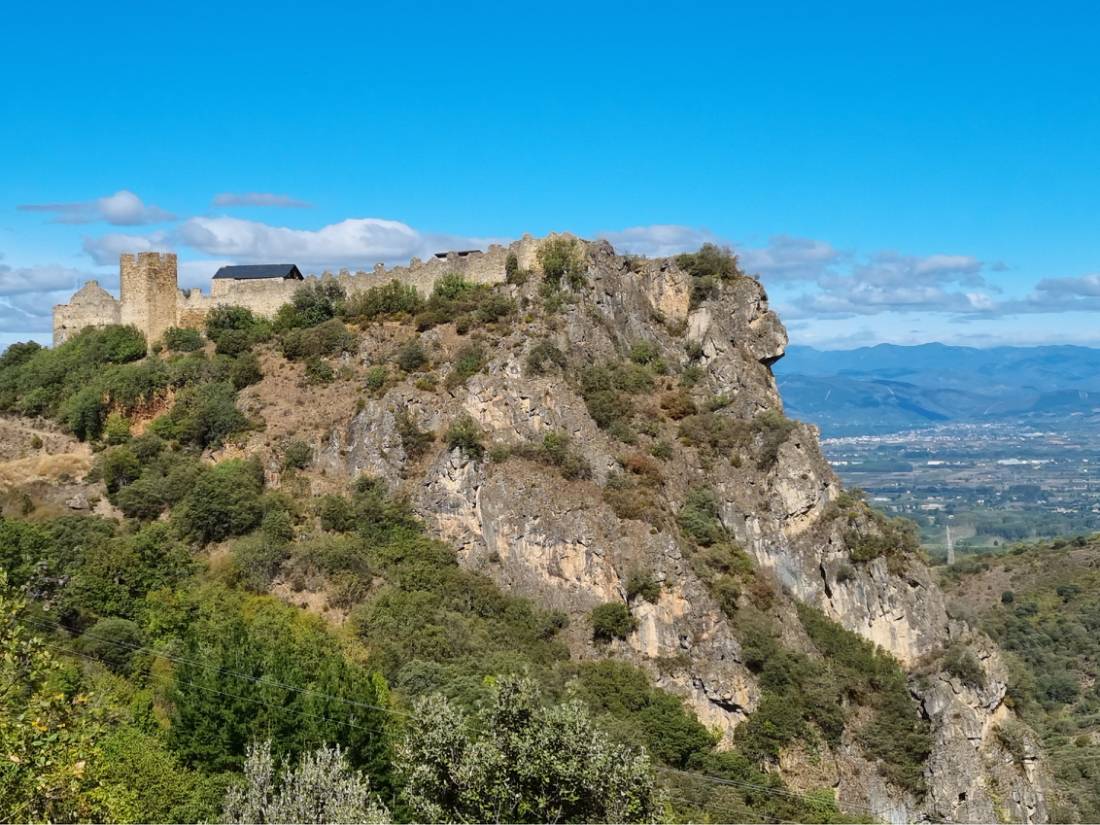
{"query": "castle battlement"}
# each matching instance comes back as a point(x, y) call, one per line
point(151, 300)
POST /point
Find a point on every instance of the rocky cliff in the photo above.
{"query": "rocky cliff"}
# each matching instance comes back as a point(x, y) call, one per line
point(703, 424)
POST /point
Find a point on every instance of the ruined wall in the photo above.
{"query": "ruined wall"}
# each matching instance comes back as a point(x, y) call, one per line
point(91, 306)
point(152, 301)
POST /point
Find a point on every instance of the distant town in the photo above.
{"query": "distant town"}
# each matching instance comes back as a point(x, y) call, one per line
point(991, 483)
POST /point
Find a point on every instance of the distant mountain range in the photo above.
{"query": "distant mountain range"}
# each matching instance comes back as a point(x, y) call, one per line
point(887, 388)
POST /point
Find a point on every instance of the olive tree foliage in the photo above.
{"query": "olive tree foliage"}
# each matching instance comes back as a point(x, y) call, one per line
point(527, 762)
point(320, 788)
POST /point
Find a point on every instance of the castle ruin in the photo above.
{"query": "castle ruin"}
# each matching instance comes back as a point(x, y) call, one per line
point(151, 300)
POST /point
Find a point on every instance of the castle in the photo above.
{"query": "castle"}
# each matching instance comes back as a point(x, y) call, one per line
point(151, 300)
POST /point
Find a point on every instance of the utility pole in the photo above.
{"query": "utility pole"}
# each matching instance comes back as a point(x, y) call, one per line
point(950, 547)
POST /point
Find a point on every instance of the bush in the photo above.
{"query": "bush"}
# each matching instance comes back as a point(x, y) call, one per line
point(117, 429)
point(468, 361)
point(312, 304)
point(318, 371)
point(612, 620)
point(390, 300)
point(297, 455)
point(203, 416)
point(414, 440)
point(642, 583)
point(225, 502)
point(182, 339)
point(467, 304)
point(960, 662)
point(699, 518)
point(512, 272)
point(465, 435)
point(541, 354)
point(245, 371)
point(113, 641)
point(328, 338)
point(411, 356)
point(235, 329)
point(708, 268)
point(562, 259)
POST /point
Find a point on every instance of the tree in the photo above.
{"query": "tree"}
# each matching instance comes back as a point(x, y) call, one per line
point(522, 761)
point(320, 788)
point(47, 733)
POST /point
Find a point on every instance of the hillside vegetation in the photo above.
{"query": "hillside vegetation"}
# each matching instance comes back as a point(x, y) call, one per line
point(1041, 603)
point(252, 618)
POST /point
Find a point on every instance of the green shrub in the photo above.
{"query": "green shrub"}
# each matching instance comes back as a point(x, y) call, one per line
point(376, 378)
point(642, 583)
point(297, 455)
point(415, 441)
point(465, 435)
point(203, 416)
point(117, 467)
point(411, 356)
point(557, 451)
point(512, 272)
point(113, 641)
point(612, 620)
point(328, 338)
point(468, 361)
point(645, 353)
point(312, 304)
point(708, 268)
point(182, 339)
point(318, 371)
point(645, 715)
point(225, 502)
point(245, 371)
point(117, 429)
point(960, 662)
point(467, 304)
point(699, 517)
point(541, 354)
point(562, 259)
point(391, 300)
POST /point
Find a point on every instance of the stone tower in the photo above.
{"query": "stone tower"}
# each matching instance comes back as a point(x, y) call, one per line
point(149, 292)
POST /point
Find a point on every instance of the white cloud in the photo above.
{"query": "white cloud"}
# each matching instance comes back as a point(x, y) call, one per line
point(787, 258)
point(659, 240)
point(258, 199)
point(351, 242)
point(25, 280)
point(123, 208)
point(106, 249)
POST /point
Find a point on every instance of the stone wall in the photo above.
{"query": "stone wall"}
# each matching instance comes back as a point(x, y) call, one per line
point(152, 301)
point(149, 294)
point(91, 306)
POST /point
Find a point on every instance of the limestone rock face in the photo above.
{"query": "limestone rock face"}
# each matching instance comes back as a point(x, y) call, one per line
point(558, 542)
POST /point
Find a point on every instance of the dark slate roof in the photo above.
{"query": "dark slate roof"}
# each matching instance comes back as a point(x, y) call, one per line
point(240, 273)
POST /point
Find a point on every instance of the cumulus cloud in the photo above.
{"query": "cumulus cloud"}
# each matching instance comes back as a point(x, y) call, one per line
point(123, 208)
point(25, 280)
point(105, 249)
point(351, 242)
point(659, 240)
point(787, 258)
point(258, 199)
point(1080, 294)
point(892, 282)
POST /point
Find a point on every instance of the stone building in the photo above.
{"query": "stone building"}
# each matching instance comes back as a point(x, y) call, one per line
point(151, 300)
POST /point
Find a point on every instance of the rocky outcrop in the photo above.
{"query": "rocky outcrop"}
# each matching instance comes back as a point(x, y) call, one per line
point(557, 540)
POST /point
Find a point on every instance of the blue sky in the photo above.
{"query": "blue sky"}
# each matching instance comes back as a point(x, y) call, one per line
point(898, 174)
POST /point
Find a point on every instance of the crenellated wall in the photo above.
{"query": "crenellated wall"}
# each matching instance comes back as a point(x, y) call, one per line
point(151, 300)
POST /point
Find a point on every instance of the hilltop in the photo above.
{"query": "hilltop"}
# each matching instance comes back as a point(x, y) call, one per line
point(583, 474)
